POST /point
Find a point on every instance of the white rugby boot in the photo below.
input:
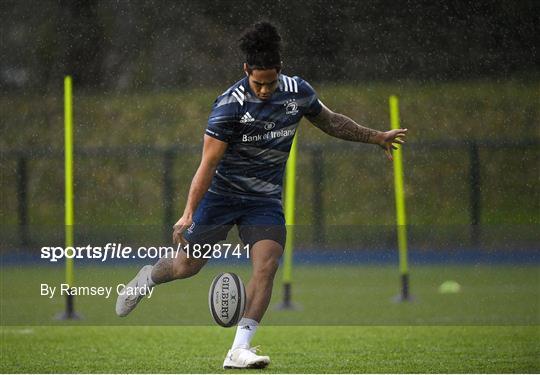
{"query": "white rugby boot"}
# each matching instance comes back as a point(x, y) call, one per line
point(245, 358)
point(125, 303)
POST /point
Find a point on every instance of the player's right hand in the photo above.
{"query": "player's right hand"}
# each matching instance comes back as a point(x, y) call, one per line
point(181, 225)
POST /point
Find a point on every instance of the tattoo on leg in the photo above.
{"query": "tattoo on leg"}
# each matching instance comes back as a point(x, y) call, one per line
point(163, 270)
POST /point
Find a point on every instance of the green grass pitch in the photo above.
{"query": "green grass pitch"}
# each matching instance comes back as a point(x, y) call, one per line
point(346, 324)
point(292, 349)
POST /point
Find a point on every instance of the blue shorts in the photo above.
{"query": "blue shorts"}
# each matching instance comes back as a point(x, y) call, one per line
point(257, 219)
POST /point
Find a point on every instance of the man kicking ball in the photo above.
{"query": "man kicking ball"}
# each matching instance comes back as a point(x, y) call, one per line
point(239, 180)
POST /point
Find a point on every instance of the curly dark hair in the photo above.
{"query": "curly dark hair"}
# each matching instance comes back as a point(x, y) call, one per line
point(261, 43)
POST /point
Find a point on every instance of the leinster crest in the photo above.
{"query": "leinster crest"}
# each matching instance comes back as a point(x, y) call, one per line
point(291, 108)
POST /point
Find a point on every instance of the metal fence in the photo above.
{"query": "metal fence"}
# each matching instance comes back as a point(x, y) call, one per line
point(314, 154)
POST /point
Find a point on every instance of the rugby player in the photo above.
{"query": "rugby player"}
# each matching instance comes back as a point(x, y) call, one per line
point(239, 180)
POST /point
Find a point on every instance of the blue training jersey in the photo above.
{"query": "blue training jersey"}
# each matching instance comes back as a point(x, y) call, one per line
point(259, 134)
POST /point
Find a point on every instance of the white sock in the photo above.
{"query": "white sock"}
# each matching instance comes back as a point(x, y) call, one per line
point(244, 333)
point(149, 282)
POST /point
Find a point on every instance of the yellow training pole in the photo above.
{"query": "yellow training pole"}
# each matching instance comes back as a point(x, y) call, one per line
point(290, 195)
point(400, 202)
point(68, 165)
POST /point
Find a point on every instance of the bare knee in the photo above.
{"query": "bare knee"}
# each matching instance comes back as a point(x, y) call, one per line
point(186, 267)
point(266, 269)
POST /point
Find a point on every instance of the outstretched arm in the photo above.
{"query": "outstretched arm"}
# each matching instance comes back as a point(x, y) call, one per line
point(341, 126)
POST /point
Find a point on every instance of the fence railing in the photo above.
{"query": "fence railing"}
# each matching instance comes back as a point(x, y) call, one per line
point(317, 161)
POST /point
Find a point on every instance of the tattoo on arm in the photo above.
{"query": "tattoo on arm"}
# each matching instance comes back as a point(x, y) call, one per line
point(341, 126)
point(163, 269)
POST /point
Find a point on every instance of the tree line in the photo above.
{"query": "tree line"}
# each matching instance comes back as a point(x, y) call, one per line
point(122, 45)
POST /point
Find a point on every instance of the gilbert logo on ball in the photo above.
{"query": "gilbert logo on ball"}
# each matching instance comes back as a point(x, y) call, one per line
point(227, 299)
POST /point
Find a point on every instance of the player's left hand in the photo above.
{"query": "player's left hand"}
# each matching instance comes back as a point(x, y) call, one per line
point(388, 140)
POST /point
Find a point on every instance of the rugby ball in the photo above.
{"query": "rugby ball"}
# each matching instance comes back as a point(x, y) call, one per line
point(227, 299)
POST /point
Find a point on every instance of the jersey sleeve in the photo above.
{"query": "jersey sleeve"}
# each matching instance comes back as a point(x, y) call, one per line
point(221, 121)
point(313, 105)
